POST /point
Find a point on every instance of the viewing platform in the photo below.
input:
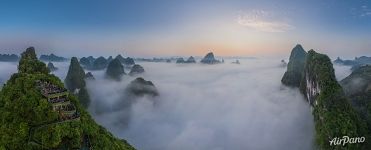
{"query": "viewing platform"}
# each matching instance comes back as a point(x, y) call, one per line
point(58, 97)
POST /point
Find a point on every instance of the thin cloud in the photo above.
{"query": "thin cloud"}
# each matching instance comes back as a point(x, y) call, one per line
point(262, 21)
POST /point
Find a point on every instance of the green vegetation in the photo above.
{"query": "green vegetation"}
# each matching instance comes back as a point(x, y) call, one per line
point(84, 97)
point(27, 120)
point(333, 114)
point(115, 69)
point(30, 64)
point(294, 72)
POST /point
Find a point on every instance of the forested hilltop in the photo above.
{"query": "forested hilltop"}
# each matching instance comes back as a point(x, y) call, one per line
point(334, 116)
point(37, 112)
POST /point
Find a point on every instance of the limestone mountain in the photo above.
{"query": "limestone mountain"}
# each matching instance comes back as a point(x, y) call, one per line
point(115, 69)
point(129, 61)
point(51, 67)
point(30, 64)
point(141, 87)
point(99, 64)
point(136, 69)
point(357, 87)
point(209, 59)
point(109, 59)
point(191, 60)
point(331, 108)
point(89, 76)
point(75, 82)
point(75, 76)
point(86, 62)
point(356, 63)
point(180, 60)
point(359, 81)
point(120, 58)
point(37, 112)
point(295, 67)
point(125, 61)
point(333, 114)
point(52, 58)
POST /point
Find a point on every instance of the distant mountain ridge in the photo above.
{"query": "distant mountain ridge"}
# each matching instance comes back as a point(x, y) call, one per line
point(52, 58)
point(9, 57)
point(357, 62)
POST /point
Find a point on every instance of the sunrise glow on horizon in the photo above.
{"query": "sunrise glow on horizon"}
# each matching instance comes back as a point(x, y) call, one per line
point(233, 28)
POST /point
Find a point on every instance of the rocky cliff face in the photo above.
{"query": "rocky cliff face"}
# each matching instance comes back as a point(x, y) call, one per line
point(312, 88)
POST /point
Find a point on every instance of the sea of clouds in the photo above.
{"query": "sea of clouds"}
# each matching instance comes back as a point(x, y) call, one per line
point(215, 107)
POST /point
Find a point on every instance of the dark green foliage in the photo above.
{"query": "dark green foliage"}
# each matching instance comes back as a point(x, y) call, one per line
point(30, 64)
point(295, 67)
point(75, 76)
point(115, 70)
point(27, 120)
point(333, 114)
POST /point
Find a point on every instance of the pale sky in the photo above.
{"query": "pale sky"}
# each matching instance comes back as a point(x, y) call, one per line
point(192, 27)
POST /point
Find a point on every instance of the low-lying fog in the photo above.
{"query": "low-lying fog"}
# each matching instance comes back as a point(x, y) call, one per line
point(214, 107)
